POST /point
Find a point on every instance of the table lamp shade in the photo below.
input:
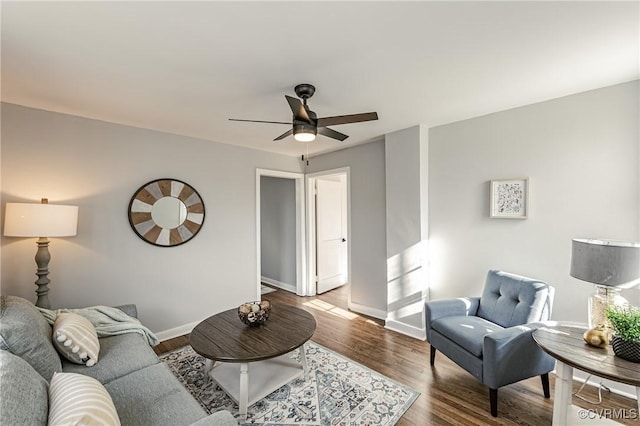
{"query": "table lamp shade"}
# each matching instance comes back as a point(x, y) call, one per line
point(606, 263)
point(40, 220)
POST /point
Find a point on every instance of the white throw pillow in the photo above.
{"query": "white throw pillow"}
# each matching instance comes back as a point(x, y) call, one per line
point(76, 339)
point(75, 399)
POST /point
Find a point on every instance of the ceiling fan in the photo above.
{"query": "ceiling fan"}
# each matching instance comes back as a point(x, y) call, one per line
point(306, 123)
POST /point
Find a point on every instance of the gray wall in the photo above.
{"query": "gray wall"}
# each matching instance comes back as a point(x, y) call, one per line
point(407, 262)
point(368, 239)
point(98, 166)
point(278, 229)
point(581, 154)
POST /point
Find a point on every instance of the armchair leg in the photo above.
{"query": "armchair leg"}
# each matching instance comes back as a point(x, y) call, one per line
point(545, 385)
point(493, 400)
point(432, 356)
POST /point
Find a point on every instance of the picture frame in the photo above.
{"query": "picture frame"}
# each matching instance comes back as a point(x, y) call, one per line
point(509, 198)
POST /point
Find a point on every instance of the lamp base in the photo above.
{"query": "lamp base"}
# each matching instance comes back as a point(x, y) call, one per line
point(42, 261)
point(599, 302)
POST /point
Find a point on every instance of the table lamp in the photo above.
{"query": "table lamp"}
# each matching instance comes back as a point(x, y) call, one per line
point(41, 220)
point(611, 266)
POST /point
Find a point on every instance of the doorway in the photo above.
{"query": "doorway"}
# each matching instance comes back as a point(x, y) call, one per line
point(328, 230)
point(290, 204)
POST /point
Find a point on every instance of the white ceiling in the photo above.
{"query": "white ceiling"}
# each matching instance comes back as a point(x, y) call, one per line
point(185, 68)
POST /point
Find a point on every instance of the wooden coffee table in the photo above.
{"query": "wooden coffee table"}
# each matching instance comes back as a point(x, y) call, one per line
point(233, 350)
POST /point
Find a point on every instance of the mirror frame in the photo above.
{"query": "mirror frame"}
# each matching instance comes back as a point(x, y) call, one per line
point(142, 203)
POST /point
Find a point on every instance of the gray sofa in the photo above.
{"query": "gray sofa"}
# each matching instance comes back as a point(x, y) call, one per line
point(143, 389)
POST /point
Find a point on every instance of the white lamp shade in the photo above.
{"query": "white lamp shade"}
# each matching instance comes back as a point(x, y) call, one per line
point(40, 220)
point(609, 263)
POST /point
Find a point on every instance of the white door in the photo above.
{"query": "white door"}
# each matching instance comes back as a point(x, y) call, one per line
point(331, 232)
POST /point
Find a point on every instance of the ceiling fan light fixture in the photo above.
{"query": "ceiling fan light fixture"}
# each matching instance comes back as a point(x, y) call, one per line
point(303, 133)
point(306, 124)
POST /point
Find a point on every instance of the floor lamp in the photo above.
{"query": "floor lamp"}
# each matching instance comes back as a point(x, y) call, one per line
point(41, 220)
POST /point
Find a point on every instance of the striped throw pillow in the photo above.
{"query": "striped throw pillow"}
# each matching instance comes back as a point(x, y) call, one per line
point(75, 399)
point(76, 339)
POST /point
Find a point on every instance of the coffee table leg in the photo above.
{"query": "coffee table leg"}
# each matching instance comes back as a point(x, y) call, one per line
point(303, 360)
point(244, 390)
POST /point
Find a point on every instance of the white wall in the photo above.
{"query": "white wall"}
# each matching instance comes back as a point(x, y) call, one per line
point(278, 230)
point(368, 237)
point(581, 153)
point(98, 166)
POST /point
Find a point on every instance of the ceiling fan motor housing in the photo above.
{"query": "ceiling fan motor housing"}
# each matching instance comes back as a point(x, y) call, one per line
point(302, 127)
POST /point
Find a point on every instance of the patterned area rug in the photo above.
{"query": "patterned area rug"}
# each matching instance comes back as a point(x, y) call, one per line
point(339, 391)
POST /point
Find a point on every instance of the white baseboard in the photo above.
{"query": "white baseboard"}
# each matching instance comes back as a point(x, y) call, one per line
point(409, 330)
point(275, 283)
point(176, 332)
point(367, 310)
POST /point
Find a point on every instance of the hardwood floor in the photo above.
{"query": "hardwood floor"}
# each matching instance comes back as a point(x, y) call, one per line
point(449, 395)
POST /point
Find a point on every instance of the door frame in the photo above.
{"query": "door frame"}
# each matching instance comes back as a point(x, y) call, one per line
point(301, 246)
point(310, 179)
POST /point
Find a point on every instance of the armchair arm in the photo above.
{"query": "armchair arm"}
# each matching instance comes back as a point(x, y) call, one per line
point(511, 355)
point(130, 310)
point(464, 306)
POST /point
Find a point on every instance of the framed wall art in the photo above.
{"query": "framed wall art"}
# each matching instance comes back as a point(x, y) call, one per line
point(509, 198)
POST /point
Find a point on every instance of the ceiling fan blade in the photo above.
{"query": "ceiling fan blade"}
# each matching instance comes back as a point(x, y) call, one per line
point(346, 119)
point(284, 135)
point(299, 112)
point(259, 121)
point(325, 131)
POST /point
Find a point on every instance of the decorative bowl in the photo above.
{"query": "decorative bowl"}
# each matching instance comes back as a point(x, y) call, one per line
point(255, 313)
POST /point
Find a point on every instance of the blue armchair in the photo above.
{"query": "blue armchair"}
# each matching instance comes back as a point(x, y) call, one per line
point(491, 336)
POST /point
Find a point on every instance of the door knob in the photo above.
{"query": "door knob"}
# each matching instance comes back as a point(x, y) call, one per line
point(344, 241)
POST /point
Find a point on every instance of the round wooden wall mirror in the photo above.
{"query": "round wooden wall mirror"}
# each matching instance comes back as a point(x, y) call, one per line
point(166, 212)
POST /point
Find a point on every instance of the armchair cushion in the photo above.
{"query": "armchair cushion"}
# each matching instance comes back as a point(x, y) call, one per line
point(467, 332)
point(509, 299)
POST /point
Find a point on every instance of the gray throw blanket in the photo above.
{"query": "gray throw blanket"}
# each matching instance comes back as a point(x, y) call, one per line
point(107, 321)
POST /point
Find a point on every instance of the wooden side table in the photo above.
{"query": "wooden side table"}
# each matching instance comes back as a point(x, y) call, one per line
point(564, 342)
point(237, 348)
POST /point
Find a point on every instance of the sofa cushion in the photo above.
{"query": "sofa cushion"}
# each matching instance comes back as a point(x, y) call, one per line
point(24, 392)
point(76, 339)
point(75, 399)
point(25, 332)
point(153, 396)
point(119, 356)
point(467, 332)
